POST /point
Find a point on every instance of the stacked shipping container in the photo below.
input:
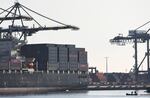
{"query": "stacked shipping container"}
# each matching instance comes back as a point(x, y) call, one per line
point(5, 54)
point(82, 59)
point(56, 57)
point(8, 60)
point(63, 57)
point(41, 53)
point(52, 58)
point(73, 58)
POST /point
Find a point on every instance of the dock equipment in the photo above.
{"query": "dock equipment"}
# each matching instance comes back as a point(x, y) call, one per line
point(19, 14)
point(136, 36)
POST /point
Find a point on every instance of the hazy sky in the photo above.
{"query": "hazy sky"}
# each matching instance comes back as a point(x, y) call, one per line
point(99, 21)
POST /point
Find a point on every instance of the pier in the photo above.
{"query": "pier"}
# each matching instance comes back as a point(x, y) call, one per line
point(118, 87)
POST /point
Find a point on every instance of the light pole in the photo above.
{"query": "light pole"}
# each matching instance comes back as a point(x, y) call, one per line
point(106, 58)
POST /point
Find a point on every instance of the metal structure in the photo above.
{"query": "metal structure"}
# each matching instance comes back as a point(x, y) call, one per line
point(92, 70)
point(19, 33)
point(106, 64)
point(136, 36)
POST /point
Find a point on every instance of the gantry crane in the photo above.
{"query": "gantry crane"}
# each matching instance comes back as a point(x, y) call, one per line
point(136, 36)
point(18, 14)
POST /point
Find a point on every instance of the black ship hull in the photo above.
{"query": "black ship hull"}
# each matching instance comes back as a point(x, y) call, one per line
point(40, 79)
point(39, 82)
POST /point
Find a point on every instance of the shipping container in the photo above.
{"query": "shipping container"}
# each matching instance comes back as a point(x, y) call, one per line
point(82, 57)
point(37, 51)
point(4, 59)
point(6, 43)
point(15, 64)
point(52, 66)
point(63, 66)
point(41, 52)
point(4, 66)
point(2, 48)
point(70, 46)
point(73, 55)
point(63, 53)
point(52, 55)
point(51, 45)
point(28, 51)
point(73, 66)
point(81, 49)
point(42, 65)
point(5, 48)
point(83, 67)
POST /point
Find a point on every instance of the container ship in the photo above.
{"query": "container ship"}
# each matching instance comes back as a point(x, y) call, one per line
point(37, 67)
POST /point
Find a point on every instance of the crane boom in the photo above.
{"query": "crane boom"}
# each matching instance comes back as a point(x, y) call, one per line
point(16, 18)
point(33, 30)
point(20, 32)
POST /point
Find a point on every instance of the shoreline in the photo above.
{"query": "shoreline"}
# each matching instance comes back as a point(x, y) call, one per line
point(45, 90)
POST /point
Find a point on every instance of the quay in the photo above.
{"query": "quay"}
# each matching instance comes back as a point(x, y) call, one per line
point(119, 87)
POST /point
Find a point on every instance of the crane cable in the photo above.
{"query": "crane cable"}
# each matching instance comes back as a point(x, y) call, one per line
point(44, 16)
point(142, 25)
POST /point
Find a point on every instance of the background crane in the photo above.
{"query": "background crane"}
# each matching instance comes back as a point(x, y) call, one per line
point(136, 36)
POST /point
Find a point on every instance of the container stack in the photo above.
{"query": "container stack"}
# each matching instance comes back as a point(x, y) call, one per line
point(73, 58)
point(15, 64)
point(37, 51)
point(82, 54)
point(5, 54)
point(41, 56)
point(56, 57)
point(53, 57)
point(63, 57)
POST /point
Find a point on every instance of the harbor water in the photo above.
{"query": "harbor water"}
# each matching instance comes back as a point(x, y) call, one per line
point(85, 94)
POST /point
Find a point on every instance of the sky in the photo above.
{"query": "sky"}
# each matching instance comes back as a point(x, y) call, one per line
point(99, 21)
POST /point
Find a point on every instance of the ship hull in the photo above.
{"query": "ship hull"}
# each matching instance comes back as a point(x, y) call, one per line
point(39, 82)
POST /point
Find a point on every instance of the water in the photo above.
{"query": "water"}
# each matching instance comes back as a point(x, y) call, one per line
point(85, 94)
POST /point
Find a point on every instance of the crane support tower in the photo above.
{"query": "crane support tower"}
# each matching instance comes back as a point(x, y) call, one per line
point(136, 36)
